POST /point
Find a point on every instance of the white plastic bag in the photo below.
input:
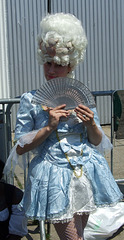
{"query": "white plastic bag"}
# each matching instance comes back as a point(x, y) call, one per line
point(104, 222)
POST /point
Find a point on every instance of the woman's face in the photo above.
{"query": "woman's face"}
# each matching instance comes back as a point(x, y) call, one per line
point(53, 70)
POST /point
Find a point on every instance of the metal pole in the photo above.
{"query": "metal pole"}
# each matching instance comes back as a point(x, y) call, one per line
point(4, 129)
point(112, 131)
point(42, 230)
point(49, 6)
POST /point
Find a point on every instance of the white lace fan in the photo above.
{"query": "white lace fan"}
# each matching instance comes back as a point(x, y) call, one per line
point(67, 91)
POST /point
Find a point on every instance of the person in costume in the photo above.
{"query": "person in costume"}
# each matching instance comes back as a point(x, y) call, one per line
point(13, 224)
point(68, 177)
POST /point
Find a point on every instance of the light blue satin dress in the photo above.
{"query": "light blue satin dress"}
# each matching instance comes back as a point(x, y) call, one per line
point(54, 190)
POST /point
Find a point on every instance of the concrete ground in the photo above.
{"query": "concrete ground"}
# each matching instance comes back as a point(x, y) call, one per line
point(34, 233)
point(118, 172)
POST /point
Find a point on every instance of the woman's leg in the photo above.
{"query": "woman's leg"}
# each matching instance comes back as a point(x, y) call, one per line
point(72, 230)
point(84, 222)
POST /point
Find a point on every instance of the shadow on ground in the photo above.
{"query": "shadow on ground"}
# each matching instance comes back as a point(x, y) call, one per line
point(121, 229)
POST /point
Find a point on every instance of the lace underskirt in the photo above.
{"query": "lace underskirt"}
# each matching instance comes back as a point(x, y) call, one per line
point(81, 199)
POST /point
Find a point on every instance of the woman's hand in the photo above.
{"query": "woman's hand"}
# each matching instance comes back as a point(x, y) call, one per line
point(87, 116)
point(55, 114)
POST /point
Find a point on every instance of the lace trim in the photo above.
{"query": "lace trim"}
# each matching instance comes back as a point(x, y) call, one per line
point(105, 145)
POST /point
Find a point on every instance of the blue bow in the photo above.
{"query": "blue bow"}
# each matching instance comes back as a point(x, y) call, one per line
point(65, 146)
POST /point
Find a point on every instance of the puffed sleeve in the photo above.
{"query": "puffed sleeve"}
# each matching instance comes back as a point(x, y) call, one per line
point(25, 123)
point(105, 145)
point(25, 116)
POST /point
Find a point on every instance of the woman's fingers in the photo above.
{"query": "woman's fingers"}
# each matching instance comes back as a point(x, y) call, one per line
point(60, 110)
point(60, 106)
point(56, 113)
point(85, 114)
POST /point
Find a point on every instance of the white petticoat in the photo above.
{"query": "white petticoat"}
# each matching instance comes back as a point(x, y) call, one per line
point(81, 198)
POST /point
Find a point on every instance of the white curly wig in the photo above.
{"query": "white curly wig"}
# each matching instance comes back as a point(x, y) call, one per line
point(62, 39)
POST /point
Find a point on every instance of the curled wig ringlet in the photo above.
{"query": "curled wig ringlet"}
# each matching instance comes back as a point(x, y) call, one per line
point(62, 39)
